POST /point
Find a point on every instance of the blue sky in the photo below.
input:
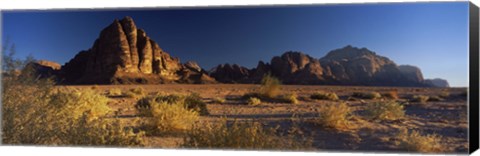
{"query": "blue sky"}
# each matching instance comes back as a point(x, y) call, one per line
point(432, 36)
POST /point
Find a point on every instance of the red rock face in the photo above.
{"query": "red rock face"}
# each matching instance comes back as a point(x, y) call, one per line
point(123, 54)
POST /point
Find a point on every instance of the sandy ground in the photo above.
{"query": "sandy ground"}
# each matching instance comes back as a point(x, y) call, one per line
point(446, 118)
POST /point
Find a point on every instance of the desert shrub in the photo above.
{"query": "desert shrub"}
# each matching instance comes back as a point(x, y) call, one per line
point(114, 92)
point(389, 110)
point(444, 94)
point(75, 103)
point(254, 101)
point(435, 98)
point(246, 135)
point(290, 98)
point(191, 102)
point(34, 112)
point(391, 95)
point(270, 86)
point(414, 141)
point(40, 115)
point(367, 95)
point(420, 98)
point(100, 132)
point(171, 117)
point(219, 100)
point(136, 92)
point(333, 116)
point(324, 96)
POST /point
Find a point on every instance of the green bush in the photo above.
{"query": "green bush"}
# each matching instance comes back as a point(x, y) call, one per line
point(324, 96)
point(390, 110)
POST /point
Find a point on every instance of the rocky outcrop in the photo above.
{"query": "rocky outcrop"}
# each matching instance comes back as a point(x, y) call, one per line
point(344, 66)
point(437, 82)
point(125, 54)
point(355, 66)
point(297, 68)
point(42, 69)
point(227, 73)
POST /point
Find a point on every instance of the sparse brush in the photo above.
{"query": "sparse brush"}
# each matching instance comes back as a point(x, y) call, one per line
point(254, 101)
point(368, 95)
point(94, 87)
point(444, 94)
point(290, 98)
point(88, 131)
point(391, 95)
point(414, 141)
point(218, 100)
point(248, 135)
point(172, 117)
point(136, 92)
point(191, 102)
point(389, 110)
point(324, 96)
point(334, 116)
point(35, 112)
point(420, 98)
point(435, 98)
point(270, 86)
point(114, 92)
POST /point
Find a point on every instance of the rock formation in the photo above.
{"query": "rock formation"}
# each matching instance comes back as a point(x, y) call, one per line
point(125, 54)
point(42, 69)
point(227, 73)
point(437, 82)
point(344, 66)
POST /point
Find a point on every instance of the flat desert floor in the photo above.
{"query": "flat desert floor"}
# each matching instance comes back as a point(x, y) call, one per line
point(446, 118)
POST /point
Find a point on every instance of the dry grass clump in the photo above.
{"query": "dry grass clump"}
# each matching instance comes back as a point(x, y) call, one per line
point(414, 141)
point(245, 135)
point(172, 117)
point(444, 94)
point(114, 92)
point(290, 98)
point(270, 86)
point(420, 98)
point(136, 92)
point(75, 103)
point(254, 101)
point(367, 95)
point(435, 98)
point(324, 96)
point(389, 110)
point(35, 113)
point(391, 95)
point(218, 100)
point(39, 115)
point(334, 116)
point(191, 102)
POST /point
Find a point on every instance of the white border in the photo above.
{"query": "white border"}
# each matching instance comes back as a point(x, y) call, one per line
point(6, 5)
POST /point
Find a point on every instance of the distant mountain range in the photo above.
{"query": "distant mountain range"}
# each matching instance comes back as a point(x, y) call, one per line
point(124, 54)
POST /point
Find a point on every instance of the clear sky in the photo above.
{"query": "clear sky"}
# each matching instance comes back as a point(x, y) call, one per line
point(432, 36)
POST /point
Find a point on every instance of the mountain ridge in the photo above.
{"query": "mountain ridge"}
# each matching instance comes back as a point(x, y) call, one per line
point(124, 54)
